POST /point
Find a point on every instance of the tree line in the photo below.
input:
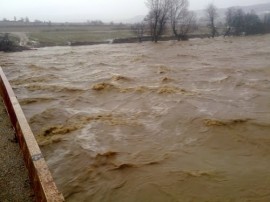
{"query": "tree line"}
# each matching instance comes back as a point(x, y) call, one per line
point(173, 17)
point(164, 13)
point(238, 23)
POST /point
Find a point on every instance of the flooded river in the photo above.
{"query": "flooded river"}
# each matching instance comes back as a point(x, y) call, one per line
point(173, 121)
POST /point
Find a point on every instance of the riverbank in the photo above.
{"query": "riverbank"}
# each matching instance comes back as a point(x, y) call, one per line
point(141, 122)
point(77, 35)
point(10, 43)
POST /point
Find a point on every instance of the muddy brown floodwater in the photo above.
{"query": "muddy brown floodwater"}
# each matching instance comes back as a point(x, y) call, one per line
point(186, 121)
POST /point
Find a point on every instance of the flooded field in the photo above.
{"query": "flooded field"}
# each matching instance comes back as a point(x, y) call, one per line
point(173, 121)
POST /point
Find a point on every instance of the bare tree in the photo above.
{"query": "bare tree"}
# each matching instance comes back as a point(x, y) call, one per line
point(230, 16)
point(176, 12)
point(138, 29)
point(182, 20)
point(229, 21)
point(266, 22)
point(26, 20)
point(241, 23)
point(253, 24)
point(212, 14)
point(157, 17)
point(186, 25)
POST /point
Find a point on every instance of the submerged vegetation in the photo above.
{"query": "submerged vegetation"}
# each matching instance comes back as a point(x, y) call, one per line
point(10, 44)
point(6, 44)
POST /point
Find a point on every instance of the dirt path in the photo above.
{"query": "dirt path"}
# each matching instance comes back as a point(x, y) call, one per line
point(14, 179)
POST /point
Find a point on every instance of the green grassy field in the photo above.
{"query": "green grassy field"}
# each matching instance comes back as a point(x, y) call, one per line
point(62, 35)
point(57, 37)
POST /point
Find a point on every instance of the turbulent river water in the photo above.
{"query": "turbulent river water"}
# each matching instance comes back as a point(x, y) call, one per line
point(173, 121)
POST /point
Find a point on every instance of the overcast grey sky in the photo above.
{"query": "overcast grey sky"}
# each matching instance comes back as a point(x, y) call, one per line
point(82, 10)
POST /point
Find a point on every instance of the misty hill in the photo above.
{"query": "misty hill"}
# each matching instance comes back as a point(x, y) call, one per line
point(259, 9)
point(136, 19)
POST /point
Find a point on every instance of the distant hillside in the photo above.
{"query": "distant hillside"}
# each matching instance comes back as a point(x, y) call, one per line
point(259, 9)
point(136, 19)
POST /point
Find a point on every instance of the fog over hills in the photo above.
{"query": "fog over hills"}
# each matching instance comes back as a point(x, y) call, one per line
point(259, 9)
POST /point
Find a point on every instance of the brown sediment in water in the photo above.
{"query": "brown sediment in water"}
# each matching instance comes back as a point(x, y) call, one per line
point(60, 129)
point(55, 88)
point(6, 64)
point(54, 133)
point(33, 79)
point(187, 56)
point(140, 89)
point(120, 78)
point(103, 86)
point(166, 79)
point(162, 69)
point(170, 90)
point(109, 159)
point(199, 174)
point(152, 122)
point(26, 101)
point(34, 67)
point(140, 58)
point(110, 119)
point(210, 122)
point(109, 85)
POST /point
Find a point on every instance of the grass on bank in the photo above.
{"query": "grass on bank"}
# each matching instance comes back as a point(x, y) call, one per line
point(53, 35)
point(62, 37)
